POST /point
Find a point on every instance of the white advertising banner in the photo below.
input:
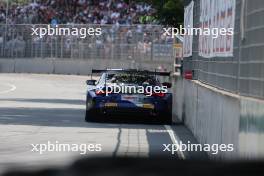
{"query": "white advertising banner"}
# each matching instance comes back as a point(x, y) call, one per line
point(219, 17)
point(188, 24)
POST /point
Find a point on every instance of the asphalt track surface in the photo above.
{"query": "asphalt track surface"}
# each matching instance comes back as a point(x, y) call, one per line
point(35, 109)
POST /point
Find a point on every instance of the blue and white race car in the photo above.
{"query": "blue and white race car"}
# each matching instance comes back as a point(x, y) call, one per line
point(128, 93)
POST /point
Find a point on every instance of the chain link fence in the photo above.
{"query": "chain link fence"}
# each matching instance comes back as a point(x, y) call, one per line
point(244, 72)
point(139, 42)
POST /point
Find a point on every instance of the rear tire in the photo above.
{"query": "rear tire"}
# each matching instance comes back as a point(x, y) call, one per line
point(90, 115)
point(165, 118)
point(168, 120)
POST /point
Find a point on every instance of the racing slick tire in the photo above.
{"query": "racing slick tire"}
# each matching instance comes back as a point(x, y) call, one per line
point(165, 118)
point(90, 115)
point(168, 120)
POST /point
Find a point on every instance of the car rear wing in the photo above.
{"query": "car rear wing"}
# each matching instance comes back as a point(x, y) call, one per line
point(130, 71)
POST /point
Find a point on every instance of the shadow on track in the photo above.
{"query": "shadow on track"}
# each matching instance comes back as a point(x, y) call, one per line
point(50, 101)
point(75, 117)
point(63, 117)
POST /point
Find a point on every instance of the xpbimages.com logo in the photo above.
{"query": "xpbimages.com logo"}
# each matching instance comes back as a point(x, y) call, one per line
point(129, 89)
point(214, 32)
point(63, 147)
point(190, 147)
point(65, 31)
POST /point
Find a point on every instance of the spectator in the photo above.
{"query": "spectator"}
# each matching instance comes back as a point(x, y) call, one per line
point(78, 12)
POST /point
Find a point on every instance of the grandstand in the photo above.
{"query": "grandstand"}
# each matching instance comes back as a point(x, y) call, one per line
point(77, 12)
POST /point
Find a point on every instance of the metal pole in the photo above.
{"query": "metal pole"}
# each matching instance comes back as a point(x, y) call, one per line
point(7, 9)
point(242, 38)
point(5, 38)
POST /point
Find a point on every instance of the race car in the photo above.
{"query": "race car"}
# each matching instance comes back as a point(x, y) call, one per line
point(128, 92)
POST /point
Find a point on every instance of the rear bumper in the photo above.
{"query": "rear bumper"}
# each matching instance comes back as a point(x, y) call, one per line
point(148, 107)
point(129, 111)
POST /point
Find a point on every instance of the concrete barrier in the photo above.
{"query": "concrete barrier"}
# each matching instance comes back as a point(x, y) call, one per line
point(34, 66)
point(7, 66)
point(251, 128)
point(67, 67)
point(219, 117)
point(178, 99)
point(74, 67)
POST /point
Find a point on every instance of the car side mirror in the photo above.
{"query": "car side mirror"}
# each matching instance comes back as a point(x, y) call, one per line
point(91, 82)
point(168, 85)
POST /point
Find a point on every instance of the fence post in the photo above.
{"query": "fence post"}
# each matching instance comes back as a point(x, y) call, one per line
point(242, 36)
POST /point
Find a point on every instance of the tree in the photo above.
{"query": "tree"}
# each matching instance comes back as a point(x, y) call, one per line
point(169, 12)
point(19, 2)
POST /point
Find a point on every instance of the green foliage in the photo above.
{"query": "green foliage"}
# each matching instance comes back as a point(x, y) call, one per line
point(20, 2)
point(169, 12)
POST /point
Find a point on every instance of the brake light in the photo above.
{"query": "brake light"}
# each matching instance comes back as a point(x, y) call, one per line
point(158, 94)
point(188, 74)
point(99, 92)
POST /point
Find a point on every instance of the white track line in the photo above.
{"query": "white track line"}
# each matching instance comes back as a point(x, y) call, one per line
point(174, 139)
point(12, 88)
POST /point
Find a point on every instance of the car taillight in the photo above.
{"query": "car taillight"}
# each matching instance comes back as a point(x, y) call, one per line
point(158, 94)
point(100, 92)
point(188, 74)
